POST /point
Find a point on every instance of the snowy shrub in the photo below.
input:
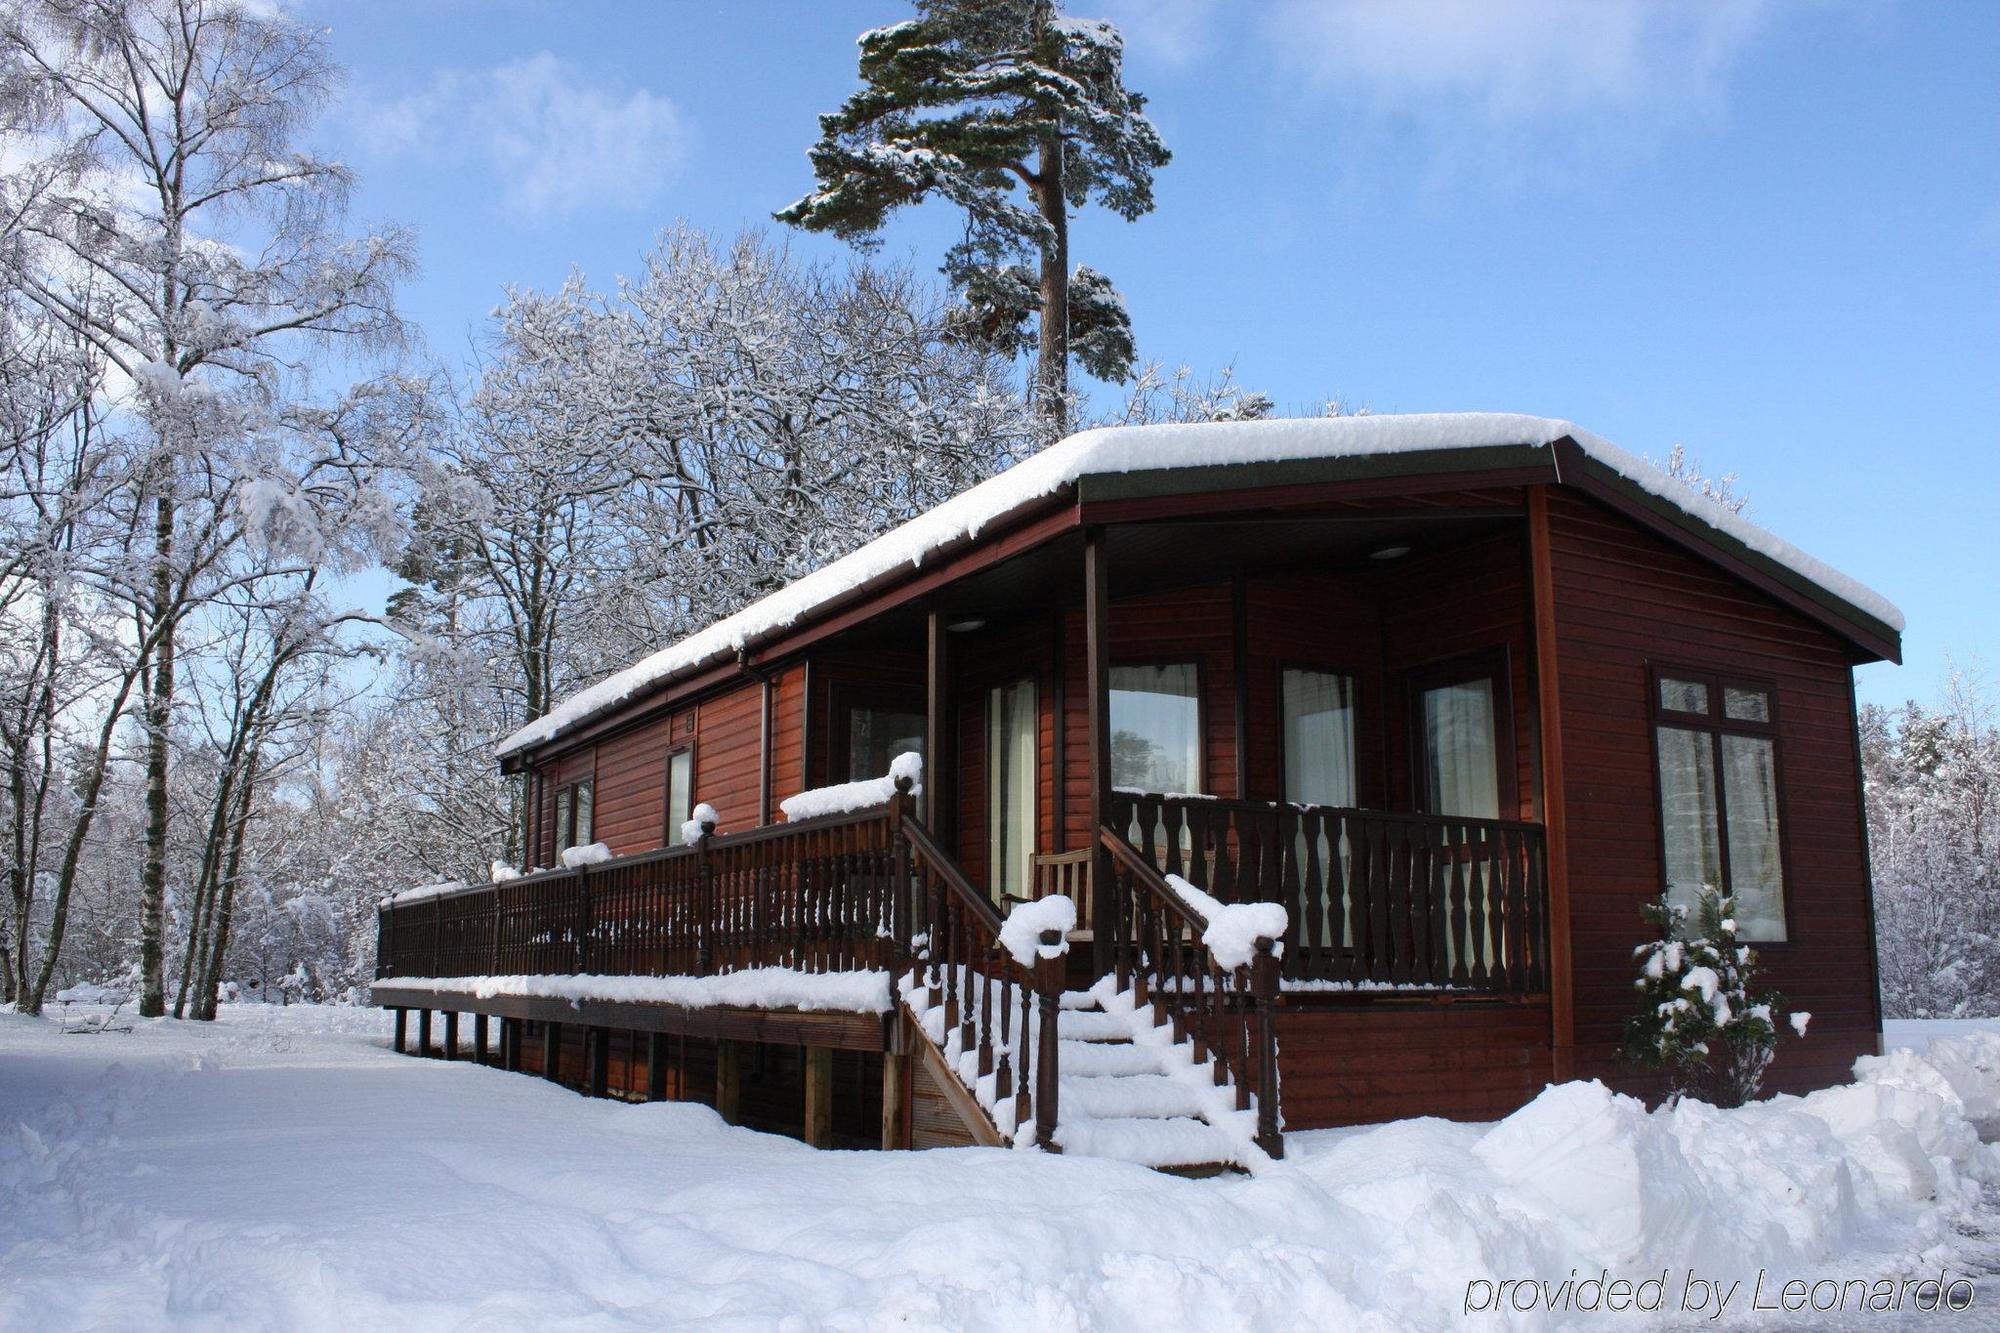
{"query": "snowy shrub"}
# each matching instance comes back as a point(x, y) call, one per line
point(1700, 1017)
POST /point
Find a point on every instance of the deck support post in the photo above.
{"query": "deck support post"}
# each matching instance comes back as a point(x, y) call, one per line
point(552, 1052)
point(895, 1110)
point(656, 1066)
point(598, 1040)
point(510, 1045)
point(1097, 684)
point(938, 784)
point(402, 1029)
point(479, 1039)
point(1555, 819)
point(451, 1034)
point(424, 1032)
point(819, 1096)
point(728, 1079)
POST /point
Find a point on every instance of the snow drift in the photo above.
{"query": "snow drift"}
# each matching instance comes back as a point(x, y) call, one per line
point(281, 1168)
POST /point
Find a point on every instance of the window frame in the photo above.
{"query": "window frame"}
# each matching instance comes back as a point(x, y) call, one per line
point(1495, 663)
point(1363, 771)
point(1715, 724)
point(1200, 706)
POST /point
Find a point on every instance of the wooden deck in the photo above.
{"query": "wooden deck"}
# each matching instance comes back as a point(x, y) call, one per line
point(1419, 934)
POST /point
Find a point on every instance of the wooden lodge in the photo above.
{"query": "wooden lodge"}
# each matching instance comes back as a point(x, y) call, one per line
point(1460, 693)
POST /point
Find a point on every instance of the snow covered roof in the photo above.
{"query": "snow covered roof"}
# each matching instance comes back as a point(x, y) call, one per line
point(1131, 449)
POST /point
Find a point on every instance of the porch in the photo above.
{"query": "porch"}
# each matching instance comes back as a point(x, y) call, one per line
point(601, 976)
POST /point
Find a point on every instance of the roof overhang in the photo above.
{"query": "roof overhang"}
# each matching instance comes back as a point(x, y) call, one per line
point(1135, 494)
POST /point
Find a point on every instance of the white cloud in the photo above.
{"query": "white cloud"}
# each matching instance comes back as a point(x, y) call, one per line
point(555, 138)
point(1516, 62)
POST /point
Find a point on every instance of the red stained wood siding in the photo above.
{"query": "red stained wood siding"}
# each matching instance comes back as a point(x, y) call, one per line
point(1355, 1063)
point(1625, 599)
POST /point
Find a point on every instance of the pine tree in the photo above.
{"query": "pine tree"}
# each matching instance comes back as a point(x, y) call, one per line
point(1700, 1018)
point(964, 102)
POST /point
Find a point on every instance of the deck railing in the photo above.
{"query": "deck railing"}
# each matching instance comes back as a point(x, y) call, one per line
point(1375, 899)
point(815, 896)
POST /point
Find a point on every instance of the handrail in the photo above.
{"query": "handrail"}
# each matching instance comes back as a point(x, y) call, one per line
point(1164, 959)
point(977, 986)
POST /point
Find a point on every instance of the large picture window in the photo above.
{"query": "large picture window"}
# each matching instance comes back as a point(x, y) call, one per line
point(1318, 709)
point(1156, 728)
point(1718, 766)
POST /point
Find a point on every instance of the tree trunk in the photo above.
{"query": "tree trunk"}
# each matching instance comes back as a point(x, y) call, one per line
point(225, 891)
point(159, 716)
point(1052, 353)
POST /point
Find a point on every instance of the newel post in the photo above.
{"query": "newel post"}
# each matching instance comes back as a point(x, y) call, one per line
point(437, 930)
point(1264, 997)
point(705, 877)
point(900, 806)
point(585, 917)
point(385, 937)
point(1048, 991)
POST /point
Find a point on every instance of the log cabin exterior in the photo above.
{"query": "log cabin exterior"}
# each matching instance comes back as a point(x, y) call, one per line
point(1460, 692)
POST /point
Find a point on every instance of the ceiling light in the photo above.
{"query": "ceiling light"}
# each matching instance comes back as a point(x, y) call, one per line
point(1389, 553)
point(965, 626)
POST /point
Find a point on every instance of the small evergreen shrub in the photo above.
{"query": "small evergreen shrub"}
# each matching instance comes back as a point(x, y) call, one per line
point(1701, 1017)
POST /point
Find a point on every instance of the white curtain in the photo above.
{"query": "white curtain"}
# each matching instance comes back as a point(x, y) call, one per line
point(1010, 786)
point(1319, 738)
point(1155, 728)
point(1461, 750)
point(1687, 814)
point(1756, 874)
point(680, 792)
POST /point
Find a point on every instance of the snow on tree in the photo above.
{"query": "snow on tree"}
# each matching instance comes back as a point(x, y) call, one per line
point(161, 210)
point(964, 103)
point(1701, 1018)
point(1933, 796)
point(633, 464)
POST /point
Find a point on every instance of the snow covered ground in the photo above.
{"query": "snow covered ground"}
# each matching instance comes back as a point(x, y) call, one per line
point(282, 1169)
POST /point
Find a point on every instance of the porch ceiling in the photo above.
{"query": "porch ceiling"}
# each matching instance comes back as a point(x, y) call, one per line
point(1152, 557)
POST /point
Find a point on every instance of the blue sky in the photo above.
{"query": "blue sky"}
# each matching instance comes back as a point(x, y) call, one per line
point(1768, 231)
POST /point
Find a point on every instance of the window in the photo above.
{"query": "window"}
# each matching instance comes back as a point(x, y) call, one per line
point(573, 816)
point(1463, 735)
point(1318, 709)
point(1718, 766)
point(1010, 786)
point(680, 792)
point(876, 734)
point(1156, 728)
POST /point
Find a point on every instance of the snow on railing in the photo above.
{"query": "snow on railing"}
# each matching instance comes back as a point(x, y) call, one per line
point(847, 797)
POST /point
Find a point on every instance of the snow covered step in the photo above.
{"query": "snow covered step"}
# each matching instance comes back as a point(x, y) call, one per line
point(1136, 1096)
point(1164, 1143)
point(1109, 1058)
point(1078, 999)
point(1084, 1025)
